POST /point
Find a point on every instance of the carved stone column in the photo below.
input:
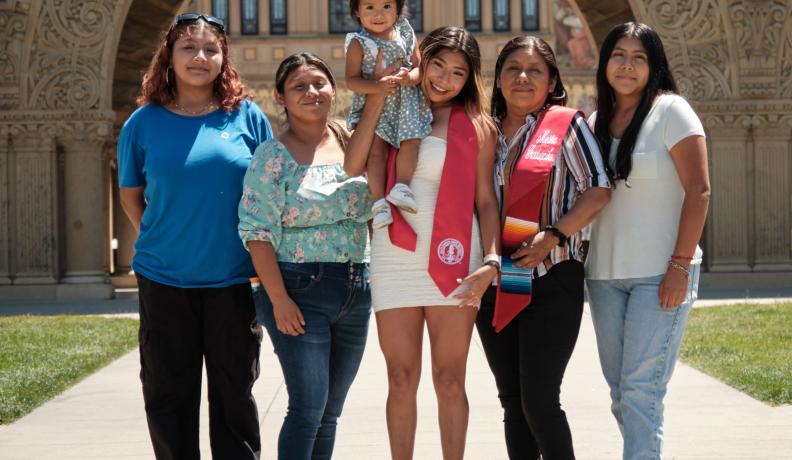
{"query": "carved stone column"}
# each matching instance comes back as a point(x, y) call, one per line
point(728, 231)
point(5, 272)
point(34, 210)
point(751, 169)
point(85, 211)
point(772, 223)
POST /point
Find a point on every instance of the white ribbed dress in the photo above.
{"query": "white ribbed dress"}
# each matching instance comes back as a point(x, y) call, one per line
point(400, 278)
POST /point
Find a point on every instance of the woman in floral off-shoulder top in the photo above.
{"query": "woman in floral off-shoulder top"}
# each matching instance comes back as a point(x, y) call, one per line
point(309, 213)
point(304, 221)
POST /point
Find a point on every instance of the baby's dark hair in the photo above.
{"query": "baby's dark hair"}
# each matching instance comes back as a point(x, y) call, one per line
point(355, 4)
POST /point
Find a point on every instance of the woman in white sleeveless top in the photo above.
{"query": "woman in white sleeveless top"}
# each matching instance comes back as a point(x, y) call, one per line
point(404, 296)
point(643, 266)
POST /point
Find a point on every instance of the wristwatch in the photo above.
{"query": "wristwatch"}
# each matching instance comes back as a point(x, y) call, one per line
point(492, 260)
point(558, 234)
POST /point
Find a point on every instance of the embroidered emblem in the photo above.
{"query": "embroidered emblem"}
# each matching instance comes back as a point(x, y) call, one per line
point(450, 251)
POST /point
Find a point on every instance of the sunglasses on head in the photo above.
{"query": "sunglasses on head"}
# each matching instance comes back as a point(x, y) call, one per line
point(192, 17)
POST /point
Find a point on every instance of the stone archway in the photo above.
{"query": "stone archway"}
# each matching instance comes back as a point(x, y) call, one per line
point(69, 70)
point(57, 119)
point(601, 15)
point(733, 60)
point(142, 28)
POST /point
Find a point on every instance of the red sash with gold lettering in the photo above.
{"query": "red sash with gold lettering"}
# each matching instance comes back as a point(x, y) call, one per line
point(523, 202)
point(449, 253)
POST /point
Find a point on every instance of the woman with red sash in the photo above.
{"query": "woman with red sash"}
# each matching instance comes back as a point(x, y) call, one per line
point(432, 267)
point(551, 181)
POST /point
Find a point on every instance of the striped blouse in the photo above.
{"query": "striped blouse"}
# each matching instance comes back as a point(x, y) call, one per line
point(578, 167)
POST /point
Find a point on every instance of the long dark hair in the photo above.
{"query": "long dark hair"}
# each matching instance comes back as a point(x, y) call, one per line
point(660, 82)
point(294, 62)
point(159, 81)
point(456, 39)
point(534, 45)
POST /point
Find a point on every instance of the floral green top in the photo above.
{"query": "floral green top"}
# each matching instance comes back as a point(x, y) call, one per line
point(309, 213)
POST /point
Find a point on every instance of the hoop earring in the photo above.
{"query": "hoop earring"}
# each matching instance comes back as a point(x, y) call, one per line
point(561, 96)
point(167, 76)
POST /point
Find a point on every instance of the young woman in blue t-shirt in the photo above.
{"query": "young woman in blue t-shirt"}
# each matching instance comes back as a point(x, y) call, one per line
point(182, 157)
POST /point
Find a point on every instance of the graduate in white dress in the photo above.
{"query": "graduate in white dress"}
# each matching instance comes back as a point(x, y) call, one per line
point(433, 267)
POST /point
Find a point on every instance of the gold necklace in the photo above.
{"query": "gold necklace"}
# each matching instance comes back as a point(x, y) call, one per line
point(204, 109)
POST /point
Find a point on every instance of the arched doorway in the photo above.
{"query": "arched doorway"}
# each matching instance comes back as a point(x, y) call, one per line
point(69, 71)
point(145, 21)
point(733, 60)
point(57, 65)
point(601, 15)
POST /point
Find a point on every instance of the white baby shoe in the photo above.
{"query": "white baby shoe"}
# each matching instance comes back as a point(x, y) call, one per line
point(381, 214)
point(403, 198)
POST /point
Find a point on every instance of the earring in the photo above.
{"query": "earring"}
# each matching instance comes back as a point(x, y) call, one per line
point(167, 76)
point(562, 96)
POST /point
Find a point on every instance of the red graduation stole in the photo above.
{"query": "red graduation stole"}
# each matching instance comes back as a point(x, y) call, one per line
point(524, 200)
point(449, 253)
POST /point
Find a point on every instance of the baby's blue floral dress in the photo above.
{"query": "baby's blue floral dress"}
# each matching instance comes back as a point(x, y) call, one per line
point(406, 114)
point(309, 213)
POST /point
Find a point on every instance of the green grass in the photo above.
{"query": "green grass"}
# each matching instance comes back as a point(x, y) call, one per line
point(40, 356)
point(748, 346)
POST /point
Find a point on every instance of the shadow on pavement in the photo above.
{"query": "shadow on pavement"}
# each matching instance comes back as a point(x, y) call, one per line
point(125, 303)
point(709, 293)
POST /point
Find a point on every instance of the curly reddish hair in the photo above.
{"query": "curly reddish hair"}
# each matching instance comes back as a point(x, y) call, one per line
point(159, 81)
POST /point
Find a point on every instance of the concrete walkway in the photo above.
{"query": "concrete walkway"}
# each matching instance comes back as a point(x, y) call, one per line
point(102, 417)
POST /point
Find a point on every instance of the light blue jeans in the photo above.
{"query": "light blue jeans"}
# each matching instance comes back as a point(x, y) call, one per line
point(638, 345)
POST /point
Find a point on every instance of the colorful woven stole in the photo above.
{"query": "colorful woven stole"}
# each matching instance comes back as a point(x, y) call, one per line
point(523, 202)
point(449, 253)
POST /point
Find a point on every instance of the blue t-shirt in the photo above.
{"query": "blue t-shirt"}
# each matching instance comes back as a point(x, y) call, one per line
point(191, 169)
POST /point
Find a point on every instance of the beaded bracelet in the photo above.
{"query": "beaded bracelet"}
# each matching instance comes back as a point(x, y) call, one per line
point(679, 267)
point(681, 257)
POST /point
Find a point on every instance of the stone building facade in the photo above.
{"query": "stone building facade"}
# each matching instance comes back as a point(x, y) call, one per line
point(69, 71)
point(319, 26)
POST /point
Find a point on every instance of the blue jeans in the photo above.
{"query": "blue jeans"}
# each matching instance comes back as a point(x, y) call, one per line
point(638, 343)
point(320, 365)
